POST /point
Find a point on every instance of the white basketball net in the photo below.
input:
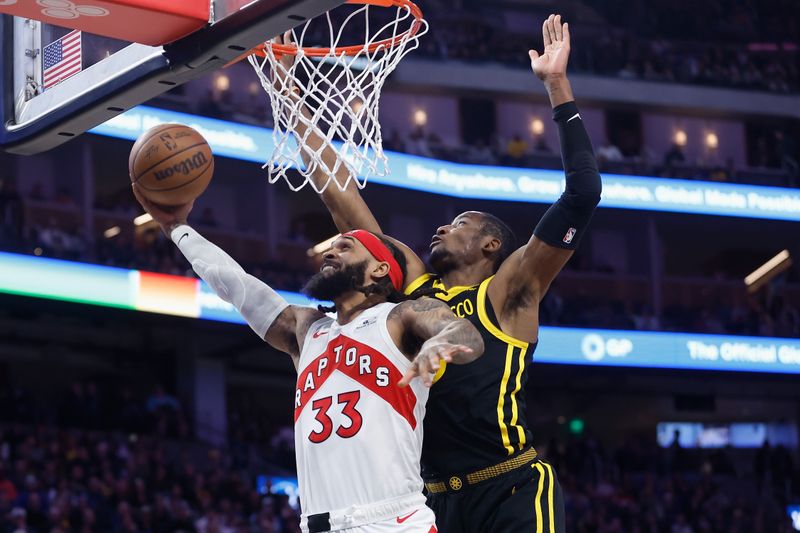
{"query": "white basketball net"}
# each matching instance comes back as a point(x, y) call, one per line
point(333, 98)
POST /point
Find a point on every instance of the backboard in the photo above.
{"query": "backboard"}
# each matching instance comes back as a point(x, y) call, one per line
point(115, 75)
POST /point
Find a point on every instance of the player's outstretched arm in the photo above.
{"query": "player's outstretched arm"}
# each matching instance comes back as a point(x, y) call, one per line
point(347, 208)
point(431, 326)
point(271, 317)
point(525, 276)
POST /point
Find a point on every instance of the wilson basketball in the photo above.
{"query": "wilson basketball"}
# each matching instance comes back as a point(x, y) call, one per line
point(171, 164)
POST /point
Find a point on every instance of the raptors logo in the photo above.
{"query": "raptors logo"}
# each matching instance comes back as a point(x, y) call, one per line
point(362, 364)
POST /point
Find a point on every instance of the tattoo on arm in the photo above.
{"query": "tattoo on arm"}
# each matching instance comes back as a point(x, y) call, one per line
point(460, 331)
point(304, 322)
point(281, 334)
point(423, 317)
point(432, 321)
point(290, 328)
point(430, 315)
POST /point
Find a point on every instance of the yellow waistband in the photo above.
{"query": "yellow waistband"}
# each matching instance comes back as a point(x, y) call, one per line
point(455, 483)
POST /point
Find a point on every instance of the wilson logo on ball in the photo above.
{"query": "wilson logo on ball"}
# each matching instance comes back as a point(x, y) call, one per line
point(189, 164)
point(171, 164)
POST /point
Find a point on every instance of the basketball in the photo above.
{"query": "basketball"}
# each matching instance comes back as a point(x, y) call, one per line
point(171, 164)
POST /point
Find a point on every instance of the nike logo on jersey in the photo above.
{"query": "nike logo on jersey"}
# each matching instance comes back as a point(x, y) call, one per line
point(182, 236)
point(400, 520)
point(319, 334)
point(573, 117)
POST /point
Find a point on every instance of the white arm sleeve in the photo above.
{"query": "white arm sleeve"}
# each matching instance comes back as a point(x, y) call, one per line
point(254, 299)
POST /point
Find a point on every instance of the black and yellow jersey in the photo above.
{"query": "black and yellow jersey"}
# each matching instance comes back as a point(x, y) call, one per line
point(475, 416)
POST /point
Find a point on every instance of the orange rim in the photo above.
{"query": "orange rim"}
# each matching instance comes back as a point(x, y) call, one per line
point(291, 49)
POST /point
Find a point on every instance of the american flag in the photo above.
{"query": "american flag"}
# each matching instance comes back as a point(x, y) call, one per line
point(62, 59)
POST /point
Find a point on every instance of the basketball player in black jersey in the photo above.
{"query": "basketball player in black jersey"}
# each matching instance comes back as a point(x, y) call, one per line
point(482, 475)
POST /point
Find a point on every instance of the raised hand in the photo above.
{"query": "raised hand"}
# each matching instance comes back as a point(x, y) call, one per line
point(283, 81)
point(553, 61)
point(429, 360)
point(166, 216)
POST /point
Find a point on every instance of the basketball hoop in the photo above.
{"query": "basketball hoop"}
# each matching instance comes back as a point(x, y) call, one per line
point(331, 92)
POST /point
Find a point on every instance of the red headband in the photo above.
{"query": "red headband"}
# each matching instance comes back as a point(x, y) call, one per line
point(380, 252)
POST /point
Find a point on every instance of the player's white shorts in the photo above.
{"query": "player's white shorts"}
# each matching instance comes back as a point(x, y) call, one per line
point(421, 520)
point(407, 514)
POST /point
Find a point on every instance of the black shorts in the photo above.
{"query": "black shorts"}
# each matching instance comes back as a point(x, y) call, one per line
point(528, 500)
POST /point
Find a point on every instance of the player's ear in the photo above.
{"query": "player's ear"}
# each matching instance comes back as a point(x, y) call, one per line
point(380, 270)
point(491, 244)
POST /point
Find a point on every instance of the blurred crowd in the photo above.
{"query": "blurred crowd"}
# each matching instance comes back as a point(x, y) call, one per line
point(641, 488)
point(56, 480)
point(773, 152)
point(94, 406)
point(768, 314)
point(745, 44)
point(724, 21)
point(146, 249)
point(774, 162)
point(733, 43)
point(252, 428)
point(101, 457)
point(615, 52)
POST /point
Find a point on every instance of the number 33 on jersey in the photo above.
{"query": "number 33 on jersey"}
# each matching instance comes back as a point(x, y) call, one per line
point(349, 411)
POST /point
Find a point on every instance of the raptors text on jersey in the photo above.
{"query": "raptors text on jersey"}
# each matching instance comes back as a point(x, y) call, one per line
point(358, 436)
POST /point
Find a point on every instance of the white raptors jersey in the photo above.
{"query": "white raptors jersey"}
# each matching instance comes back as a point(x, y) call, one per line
point(358, 436)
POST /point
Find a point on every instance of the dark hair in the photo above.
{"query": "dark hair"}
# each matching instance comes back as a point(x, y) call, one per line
point(384, 285)
point(398, 296)
point(497, 228)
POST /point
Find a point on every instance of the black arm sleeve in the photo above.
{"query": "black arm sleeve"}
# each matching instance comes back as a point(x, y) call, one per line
point(565, 222)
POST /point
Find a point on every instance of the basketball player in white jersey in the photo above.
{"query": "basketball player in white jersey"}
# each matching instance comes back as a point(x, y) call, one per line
point(357, 409)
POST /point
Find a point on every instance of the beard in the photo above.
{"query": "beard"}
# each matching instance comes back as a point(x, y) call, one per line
point(442, 261)
point(324, 286)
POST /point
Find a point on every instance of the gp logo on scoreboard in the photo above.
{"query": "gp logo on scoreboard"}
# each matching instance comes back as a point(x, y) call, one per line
point(595, 347)
point(65, 9)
